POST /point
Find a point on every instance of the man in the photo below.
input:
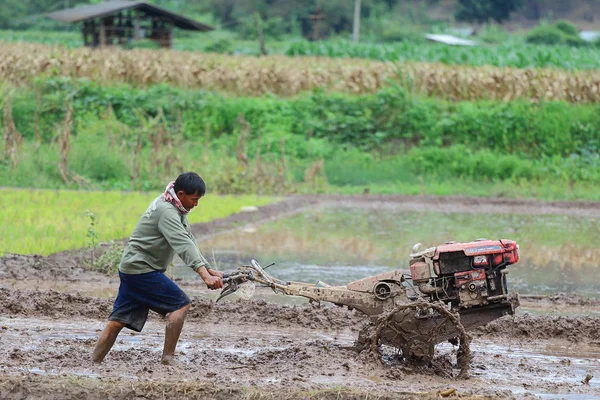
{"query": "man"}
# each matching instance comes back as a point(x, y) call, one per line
point(161, 232)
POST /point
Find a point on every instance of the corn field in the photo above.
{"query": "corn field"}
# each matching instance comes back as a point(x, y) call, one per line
point(287, 76)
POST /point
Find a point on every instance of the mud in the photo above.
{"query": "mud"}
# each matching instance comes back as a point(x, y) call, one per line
point(51, 314)
point(38, 303)
point(92, 389)
point(573, 329)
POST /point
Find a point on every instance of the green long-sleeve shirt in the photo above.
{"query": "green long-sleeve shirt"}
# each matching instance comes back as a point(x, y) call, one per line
point(160, 233)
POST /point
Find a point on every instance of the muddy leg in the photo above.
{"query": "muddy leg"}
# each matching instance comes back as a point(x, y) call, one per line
point(106, 340)
point(172, 331)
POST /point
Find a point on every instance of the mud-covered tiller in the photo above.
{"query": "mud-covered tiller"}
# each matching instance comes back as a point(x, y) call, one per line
point(451, 289)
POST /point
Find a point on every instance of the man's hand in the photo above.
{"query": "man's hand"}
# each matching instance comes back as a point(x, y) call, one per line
point(215, 273)
point(213, 282)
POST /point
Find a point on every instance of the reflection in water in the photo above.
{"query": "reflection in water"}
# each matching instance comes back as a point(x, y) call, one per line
point(558, 253)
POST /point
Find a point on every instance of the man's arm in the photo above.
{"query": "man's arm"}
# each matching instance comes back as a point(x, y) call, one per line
point(173, 230)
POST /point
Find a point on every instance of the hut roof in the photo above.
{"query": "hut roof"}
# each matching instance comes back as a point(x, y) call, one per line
point(107, 8)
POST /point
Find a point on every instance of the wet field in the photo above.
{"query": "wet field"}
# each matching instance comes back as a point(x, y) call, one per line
point(278, 343)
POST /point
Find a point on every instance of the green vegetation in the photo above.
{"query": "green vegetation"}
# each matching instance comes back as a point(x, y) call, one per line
point(559, 33)
point(402, 45)
point(390, 141)
point(511, 53)
point(48, 221)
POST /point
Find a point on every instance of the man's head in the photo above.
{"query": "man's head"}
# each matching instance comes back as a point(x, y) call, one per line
point(189, 188)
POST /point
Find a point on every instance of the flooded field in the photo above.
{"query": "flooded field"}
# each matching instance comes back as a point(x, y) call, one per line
point(279, 346)
point(338, 245)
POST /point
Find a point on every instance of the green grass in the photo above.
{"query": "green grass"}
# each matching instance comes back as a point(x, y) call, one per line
point(48, 221)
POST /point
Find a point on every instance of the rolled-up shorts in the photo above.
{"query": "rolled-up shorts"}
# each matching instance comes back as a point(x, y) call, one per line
point(140, 293)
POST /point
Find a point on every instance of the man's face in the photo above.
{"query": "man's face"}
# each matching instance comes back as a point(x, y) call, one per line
point(188, 201)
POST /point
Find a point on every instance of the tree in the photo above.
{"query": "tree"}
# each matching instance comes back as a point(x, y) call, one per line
point(482, 11)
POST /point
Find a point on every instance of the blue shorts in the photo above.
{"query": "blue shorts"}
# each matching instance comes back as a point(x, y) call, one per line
point(142, 292)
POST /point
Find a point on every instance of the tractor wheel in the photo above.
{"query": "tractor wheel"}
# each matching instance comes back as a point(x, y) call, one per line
point(410, 332)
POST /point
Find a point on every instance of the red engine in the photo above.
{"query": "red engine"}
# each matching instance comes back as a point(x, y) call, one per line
point(465, 274)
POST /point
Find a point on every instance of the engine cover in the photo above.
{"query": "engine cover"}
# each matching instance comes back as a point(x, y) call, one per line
point(457, 257)
point(465, 274)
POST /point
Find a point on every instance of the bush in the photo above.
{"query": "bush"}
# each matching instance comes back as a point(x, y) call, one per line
point(545, 34)
point(566, 27)
point(561, 32)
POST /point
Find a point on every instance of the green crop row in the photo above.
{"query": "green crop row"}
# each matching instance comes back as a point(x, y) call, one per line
point(509, 54)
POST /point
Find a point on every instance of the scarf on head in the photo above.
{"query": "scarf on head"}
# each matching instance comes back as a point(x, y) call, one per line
point(170, 196)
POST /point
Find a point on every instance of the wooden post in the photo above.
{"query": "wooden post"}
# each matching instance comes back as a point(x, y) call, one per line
point(84, 32)
point(94, 32)
point(102, 33)
point(356, 25)
point(259, 31)
point(120, 31)
point(316, 17)
point(136, 27)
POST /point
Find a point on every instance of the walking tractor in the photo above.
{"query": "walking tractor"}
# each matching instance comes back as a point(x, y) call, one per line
point(451, 289)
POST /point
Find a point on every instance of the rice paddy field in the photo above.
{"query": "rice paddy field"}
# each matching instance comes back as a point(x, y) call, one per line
point(42, 222)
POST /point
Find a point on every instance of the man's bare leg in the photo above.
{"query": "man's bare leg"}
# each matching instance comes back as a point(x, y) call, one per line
point(106, 340)
point(172, 331)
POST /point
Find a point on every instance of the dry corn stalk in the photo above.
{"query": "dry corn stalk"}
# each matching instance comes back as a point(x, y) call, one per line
point(206, 148)
point(64, 147)
point(315, 169)
point(241, 152)
point(286, 76)
point(13, 141)
point(64, 143)
point(36, 118)
point(135, 160)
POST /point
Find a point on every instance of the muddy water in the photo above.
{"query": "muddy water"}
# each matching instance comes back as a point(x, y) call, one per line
point(249, 354)
point(337, 245)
